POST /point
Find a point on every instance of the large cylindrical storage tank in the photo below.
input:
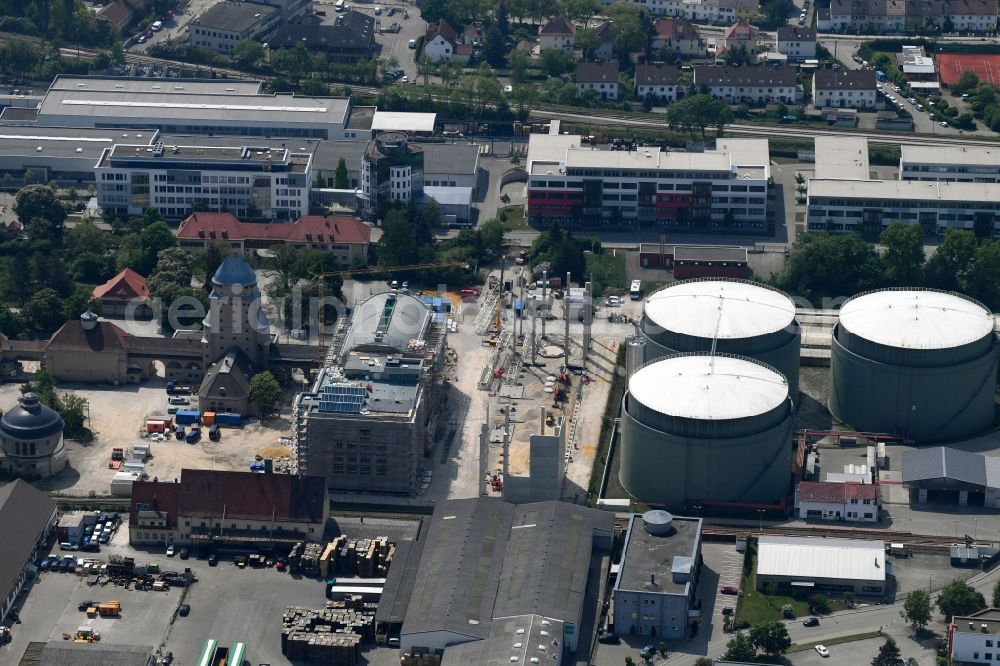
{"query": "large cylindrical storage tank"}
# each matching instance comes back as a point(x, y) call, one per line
point(916, 362)
point(697, 427)
point(744, 318)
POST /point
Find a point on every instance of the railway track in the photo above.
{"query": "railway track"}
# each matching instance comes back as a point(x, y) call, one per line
point(917, 542)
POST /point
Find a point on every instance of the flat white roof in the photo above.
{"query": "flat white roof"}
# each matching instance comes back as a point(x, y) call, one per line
point(916, 319)
point(648, 158)
point(461, 196)
point(745, 152)
point(842, 157)
point(551, 147)
point(402, 121)
point(165, 86)
point(950, 155)
point(817, 558)
point(700, 386)
point(726, 309)
point(905, 190)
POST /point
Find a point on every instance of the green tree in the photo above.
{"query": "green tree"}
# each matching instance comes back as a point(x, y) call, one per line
point(314, 88)
point(958, 599)
point(340, 178)
point(43, 312)
point(153, 239)
point(247, 53)
point(518, 62)
point(588, 42)
point(740, 648)
point(984, 277)
point(18, 282)
point(319, 180)
point(265, 392)
point(630, 28)
point(699, 112)
point(949, 266)
point(214, 254)
point(821, 264)
point(38, 201)
point(903, 255)
point(84, 237)
point(44, 386)
point(79, 302)
point(888, 654)
point(396, 247)
point(555, 62)
point(771, 637)
point(74, 409)
point(996, 594)
point(966, 82)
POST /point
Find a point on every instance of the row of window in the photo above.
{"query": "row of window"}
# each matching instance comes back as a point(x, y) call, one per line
point(902, 204)
point(380, 470)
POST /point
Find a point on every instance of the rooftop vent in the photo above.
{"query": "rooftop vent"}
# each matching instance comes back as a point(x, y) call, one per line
point(658, 522)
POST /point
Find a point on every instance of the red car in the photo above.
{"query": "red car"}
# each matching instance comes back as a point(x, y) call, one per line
point(729, 589)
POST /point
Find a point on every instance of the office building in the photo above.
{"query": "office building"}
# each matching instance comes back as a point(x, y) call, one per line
point(975, 639)
point(658, 576)
point(571, 183)
point(392, 172)
point(228, 23)
point(964, 164)
point(251, 182)
point(822, 565)
point(372, 415)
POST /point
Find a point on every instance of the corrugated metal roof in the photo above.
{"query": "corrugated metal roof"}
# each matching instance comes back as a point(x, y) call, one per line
point(941, 462)
point(24, 513)
point(818, 558)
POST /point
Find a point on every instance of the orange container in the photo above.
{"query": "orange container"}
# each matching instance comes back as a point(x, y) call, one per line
point(208, 418)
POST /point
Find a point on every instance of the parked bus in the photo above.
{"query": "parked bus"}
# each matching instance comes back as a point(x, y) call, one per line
point(208, 652)
point(636, 291)
point(237, 654)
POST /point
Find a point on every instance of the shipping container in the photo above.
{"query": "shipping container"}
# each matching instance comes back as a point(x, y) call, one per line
point(187, 416)
point(155, 426)
point(234, 420)
point(208, 418)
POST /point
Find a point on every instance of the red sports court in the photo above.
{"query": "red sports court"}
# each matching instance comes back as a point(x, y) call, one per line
point(985, 66)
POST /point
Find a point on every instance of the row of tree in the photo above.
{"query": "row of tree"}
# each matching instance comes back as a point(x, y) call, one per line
point(823, 265)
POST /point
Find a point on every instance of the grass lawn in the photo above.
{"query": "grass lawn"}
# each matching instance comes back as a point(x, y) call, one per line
point(799, 647)
point(755, 606)
point(513, 218)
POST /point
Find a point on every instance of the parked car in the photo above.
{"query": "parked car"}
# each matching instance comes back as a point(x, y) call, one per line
point(613, 301)
point(66, 545)
point(608, 638)
point(823, 652)
point(729, 589)
point(185, 553)
point(84, 605)
point(390, 11)
point(647, 652)
point(104, 538)
point(171, 550)
point(213, 560)
point(177, 400)
point(168, 658)
point(184, 610)
point(810, 622)
point(727, 610)
point(44, 564)
point(412, 44)
point(378, 11)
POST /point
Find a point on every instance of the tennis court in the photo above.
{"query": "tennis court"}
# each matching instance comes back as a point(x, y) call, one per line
point(985, 66)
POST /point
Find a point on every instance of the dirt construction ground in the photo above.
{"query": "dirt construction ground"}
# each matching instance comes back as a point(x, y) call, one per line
point(117, 414)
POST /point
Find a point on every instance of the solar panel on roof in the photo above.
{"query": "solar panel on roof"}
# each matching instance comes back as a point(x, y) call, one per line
point(342, 398)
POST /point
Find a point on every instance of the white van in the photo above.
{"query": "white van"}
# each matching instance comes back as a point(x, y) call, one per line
point(157, 26)
point(339, 6)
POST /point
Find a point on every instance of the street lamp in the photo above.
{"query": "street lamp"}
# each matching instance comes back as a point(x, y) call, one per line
point(760, 521)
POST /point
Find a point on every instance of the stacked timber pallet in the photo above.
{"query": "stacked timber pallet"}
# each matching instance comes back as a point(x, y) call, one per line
point(330, 636)
point(420, 659)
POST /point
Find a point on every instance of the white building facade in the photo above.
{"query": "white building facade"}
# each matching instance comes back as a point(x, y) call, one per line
point(749, 84)
point(852, 502)
point(255, 183)
point(975, 639)
point(852, 89)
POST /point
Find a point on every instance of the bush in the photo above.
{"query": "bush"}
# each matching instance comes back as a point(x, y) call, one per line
point(819, 603)
point(788, 612)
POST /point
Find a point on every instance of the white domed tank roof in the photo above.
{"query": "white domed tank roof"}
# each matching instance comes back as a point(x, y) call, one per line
point(916, 319)
point(658, 522)
point(708, 388)
point(729, 309)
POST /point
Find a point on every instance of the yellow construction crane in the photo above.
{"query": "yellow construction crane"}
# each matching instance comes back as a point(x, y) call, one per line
point(320, 278)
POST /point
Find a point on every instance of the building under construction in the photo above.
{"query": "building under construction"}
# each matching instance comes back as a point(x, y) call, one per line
point(374, 408)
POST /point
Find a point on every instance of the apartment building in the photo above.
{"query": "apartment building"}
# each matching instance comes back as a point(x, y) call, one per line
point(569, 183)
point(250, 182)
point(749, 84)
point(600, 78)
point(718, 12)
point(798, 43)
point(657, 81)
point(900, 16)
point(844, 89)
point(975, 639)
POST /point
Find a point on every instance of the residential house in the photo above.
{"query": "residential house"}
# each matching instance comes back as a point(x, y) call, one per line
point(557, 34)
point(749, 84)
point(797, 43)
point(124, 295)
point(719, 12)
point(658, 81)
point(975, 639)
point(440, 41)
point(601, 78)
point(346, 238)
point(679, 36)
point(837, 501)
point(605, 42)
point(122, 13)
point(473, 34)
point(844, 89)
point(898, 16)
point(742, 35)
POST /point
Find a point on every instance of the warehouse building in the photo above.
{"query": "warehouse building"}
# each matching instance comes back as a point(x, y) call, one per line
point(27, 519)
point(701, 428)
point(182, 106)
point(252, 182)
point(62, 154)
point(808, 564)
point(499, 580)
point(944, 474)
point(372, 415)
point(226, 24)
point(69, 653)
point(917, 363)
point(658, 575)
point(568, 183)
point(208, 508)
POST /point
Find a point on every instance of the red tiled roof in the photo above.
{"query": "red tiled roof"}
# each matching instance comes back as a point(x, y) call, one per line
point(308, 228)
point(159, 496)
point(557, 26)
point(741, 30)
point(837, 493)
point(674, 28)
point(442, 28)
point(125, 286)
point(105, 337)
point(251, 495)
point(117, 13)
